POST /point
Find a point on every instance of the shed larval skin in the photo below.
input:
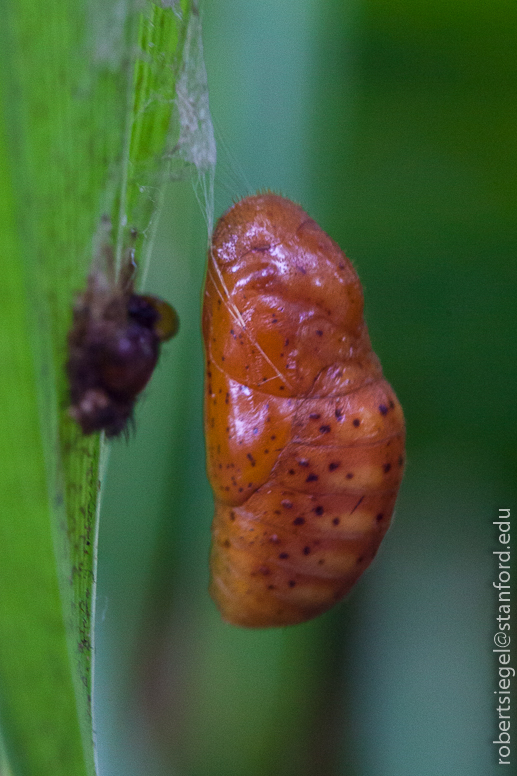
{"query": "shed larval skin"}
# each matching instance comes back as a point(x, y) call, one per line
point(305, 438)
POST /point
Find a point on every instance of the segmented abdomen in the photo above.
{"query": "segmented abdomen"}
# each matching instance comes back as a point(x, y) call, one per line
point(305, 439)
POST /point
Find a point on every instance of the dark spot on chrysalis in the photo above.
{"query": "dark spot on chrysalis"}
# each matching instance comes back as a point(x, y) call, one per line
point(286, 503)
point(349, 476)
point(325, 429)
point(356, 422)
point(333, 466)
point(315, 416)
point(383, 409)
point(291, 583)
point(335, 520)
point(232, 515)
point(386, 467)
point(283, 555)
point(312, 478)
point(379, 517)
point(306, 550)
point(298, 521)
point(319, 510)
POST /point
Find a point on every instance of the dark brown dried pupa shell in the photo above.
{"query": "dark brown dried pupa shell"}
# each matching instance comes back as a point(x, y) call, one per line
point(114, 346)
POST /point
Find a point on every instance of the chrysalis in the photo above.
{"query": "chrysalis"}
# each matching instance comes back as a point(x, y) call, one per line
point(305, 438)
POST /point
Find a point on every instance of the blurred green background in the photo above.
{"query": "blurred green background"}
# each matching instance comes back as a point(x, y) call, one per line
point(393, 123)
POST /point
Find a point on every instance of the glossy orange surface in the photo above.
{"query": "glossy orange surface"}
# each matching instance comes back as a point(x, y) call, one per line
point(305, 439)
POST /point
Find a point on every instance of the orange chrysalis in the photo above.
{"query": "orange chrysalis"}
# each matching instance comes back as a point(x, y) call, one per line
point(305, 438)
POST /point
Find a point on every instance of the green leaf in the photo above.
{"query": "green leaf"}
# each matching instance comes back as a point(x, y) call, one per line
point(87, 93)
